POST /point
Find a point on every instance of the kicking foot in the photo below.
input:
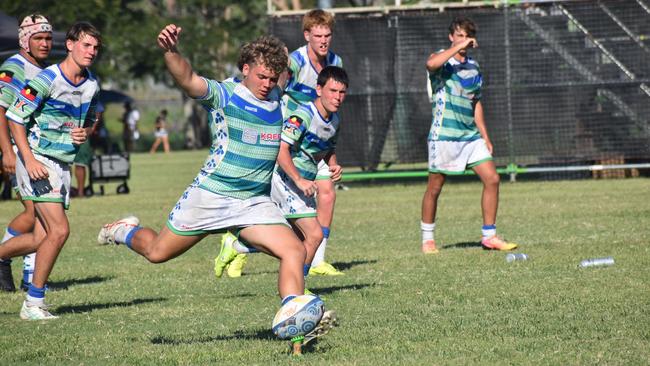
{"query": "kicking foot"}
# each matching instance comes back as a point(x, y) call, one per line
point(107, 233)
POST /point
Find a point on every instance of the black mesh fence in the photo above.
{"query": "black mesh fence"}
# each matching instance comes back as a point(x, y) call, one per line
point(565, 83)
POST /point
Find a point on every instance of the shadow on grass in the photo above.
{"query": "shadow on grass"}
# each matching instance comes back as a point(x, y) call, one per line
point(63, 285)
point(87, 308)
point(329, 290)
point(342, 266)
point(463, 245)
point(260, 334)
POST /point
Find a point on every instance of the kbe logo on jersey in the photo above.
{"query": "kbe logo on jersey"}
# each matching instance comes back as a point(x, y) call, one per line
point(269, 138)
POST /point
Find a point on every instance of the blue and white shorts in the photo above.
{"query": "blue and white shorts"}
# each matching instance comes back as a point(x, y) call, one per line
point(55, 188)
point(200, 211)
point(293, 203)
point(453, 157)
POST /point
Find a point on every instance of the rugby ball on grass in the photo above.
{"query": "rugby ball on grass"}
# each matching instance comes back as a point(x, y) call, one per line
point(298, 316)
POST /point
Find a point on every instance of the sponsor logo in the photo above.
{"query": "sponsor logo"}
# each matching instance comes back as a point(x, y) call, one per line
point(76, 92)
point(269, 138)
point(249, 108)
point(29, 93)
point(6, 76)
point(249, 136)
point(69, 124)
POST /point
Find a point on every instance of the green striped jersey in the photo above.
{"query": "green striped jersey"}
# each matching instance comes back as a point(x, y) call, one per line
point(56, 106)
point(15, 72)
point(245, 134)
point(311, 138)
point(456, 88)
point(301, 85)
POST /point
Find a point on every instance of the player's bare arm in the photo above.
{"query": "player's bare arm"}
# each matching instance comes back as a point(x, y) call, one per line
point(479, 119)
point(285, 162)
point(79, 135)
point(336, 171)
point(436, 60)
point(178, 66)
point(8, 156)
point(35, 169)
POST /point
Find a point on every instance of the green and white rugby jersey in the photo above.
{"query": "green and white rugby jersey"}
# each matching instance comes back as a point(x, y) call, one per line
point(301, 86)
point(245, 140)
point(56, 106)
point(456, 88)
point(311, 138)
point(15, 72)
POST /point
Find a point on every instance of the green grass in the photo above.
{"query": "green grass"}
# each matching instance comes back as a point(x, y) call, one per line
point(397, 306)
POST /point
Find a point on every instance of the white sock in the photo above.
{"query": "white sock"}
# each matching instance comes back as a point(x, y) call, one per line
point(488, 231)
point(35, 301)
point(242, 248)
point(8, 235)
point(29, 262)
point(319, 257)
point(427, 231)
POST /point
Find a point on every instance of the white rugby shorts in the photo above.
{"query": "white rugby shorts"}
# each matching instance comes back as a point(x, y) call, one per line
point(199, 211)
point(293, 203)
point(55, 188)
point(453, 157)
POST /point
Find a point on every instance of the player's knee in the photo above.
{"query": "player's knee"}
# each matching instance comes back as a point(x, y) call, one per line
point(59, 234)
point(156, 258)
point(492, 180)
point(315, 236)
point(433, 191)
point(327, 196)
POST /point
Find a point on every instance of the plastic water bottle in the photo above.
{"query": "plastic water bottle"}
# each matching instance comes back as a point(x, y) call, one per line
point(511, 257)
point(597, 262)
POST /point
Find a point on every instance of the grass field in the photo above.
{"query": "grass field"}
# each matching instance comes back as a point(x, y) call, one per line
point(397, 307)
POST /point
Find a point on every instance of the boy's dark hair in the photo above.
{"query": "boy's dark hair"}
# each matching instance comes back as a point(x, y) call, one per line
point(267, 50)
point(78, 29)
point(463, 23)
point(332, 72)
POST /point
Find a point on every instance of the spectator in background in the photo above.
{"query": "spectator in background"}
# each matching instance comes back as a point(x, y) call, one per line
point(130, 119)
point(160, 133)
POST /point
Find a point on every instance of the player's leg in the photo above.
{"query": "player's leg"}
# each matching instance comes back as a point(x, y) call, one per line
point(155, 247)
point(489, 205)
point(326, 200)
point(22, 224)
point(80, 175)
point(280, 242)
point(429, 210)
point(310, 230)
point(52, 219)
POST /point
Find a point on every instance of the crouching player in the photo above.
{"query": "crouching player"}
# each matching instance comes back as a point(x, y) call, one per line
point(60, 101)
point(232, 189)
point(308, 136)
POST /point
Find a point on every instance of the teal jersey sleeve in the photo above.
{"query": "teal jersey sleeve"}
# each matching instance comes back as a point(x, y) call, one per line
point(30, 98)
point(12, 79)
point(217, 95)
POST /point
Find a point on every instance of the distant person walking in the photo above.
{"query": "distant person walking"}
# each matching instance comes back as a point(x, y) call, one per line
point(130, 119)
point(160, 133)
